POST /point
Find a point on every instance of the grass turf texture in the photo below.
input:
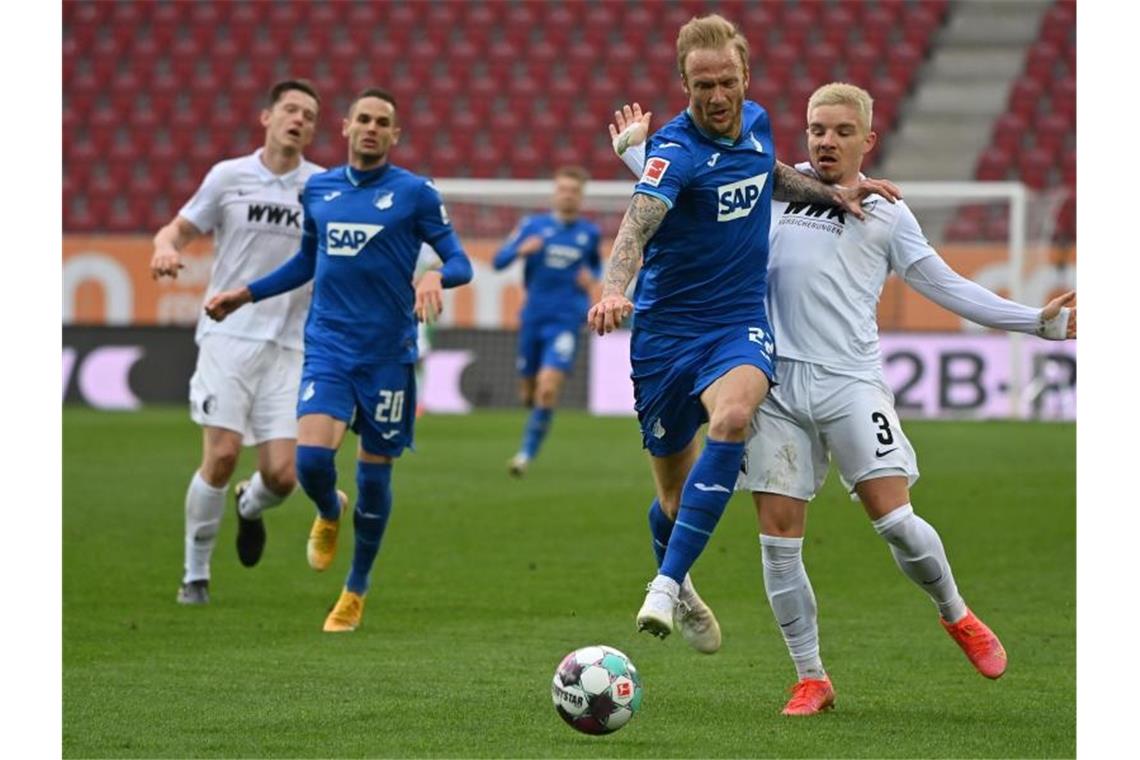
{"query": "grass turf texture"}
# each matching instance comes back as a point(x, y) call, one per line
point(484, 583)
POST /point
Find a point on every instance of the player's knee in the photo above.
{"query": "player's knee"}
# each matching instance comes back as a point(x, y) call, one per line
point(281, 479)
point(315, 466)
point(730, 421)
point(546, 396)
point(219, 464)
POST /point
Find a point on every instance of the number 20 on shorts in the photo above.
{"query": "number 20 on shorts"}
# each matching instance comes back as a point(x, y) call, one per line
point(391, 406)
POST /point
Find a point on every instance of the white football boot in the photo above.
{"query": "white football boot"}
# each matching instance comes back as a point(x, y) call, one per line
point(695, 620)
point(656, 613)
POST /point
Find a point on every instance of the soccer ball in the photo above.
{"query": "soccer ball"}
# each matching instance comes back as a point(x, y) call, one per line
point(596, 689)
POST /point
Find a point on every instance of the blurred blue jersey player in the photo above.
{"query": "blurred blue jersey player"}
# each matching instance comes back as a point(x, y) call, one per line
point(701, 348)
point(561, 264)
point(364, 225)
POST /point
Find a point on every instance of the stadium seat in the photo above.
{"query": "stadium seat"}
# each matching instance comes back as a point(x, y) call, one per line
point(1025, 97)
point(994, 164)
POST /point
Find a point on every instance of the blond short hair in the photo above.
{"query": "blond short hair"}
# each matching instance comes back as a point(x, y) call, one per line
point(843, 94)
point(712, 32)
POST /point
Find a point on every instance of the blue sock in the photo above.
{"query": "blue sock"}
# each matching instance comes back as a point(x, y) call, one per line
point(536, 428)
point(373, 505)
point(706, 494)
point(661, 527)
point(316, 470)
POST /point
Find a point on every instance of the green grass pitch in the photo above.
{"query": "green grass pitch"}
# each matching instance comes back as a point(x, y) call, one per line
point(484, 583)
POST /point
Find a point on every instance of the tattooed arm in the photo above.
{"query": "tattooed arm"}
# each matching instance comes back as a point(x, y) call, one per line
point(642, 218)
point(791, 185)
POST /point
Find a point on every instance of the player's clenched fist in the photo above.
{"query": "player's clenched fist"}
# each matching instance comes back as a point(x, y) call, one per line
point(607, 314)
point(221, 305)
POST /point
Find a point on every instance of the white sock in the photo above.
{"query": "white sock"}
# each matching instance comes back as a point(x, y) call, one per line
point(793, 602)
point(666, 584)
point(204, 505)
point(919, 554)
point(258, 498)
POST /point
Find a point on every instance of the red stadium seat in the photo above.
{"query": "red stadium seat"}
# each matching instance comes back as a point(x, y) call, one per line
point(964, 229)
point(1025, 97)
point(994, 164)
point(1035, 168)
point(1009, 131)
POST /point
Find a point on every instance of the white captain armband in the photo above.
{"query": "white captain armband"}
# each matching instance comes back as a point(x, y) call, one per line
point(1056, 328)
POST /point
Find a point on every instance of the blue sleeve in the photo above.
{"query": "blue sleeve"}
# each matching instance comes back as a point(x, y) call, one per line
point(667, 171)
point(435, 229)
point(510, 249)
point(456, 269)
point(296, 271)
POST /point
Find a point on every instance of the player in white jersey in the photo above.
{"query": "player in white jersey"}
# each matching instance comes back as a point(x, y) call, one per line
point(244, 388)
point(824, 281)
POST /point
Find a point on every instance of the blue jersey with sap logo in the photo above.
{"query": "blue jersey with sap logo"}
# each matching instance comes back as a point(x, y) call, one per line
point(551, 274)
point(362, 235)
point(706, 266)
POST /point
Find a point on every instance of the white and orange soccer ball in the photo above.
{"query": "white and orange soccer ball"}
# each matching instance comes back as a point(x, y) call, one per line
point(596, 689)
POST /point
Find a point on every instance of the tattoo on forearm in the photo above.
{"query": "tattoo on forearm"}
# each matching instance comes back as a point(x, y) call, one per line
point(790, 185)
point(641, 220)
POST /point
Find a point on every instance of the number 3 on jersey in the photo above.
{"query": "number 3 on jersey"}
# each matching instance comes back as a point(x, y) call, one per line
point(391, 406)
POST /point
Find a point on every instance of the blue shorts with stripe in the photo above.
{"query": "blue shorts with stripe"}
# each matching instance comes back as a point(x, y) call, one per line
point(670, 373)
point(552, 344)
point(378, 401)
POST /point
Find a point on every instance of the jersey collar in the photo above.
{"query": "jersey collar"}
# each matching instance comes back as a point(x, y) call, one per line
point(358, 178)
point(709, 136)
point(268, 176)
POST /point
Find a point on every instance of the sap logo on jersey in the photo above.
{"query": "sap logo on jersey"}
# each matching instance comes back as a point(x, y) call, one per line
point(346, 239)
point(739, 198)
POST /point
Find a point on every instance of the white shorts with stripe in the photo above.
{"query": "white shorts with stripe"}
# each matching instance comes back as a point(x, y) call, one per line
point(248, 386)
point(816, 415)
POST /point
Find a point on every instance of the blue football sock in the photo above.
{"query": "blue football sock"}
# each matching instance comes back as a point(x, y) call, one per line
point(373, 505)
point(316, 470)
point(661, 527)
point(707, 490)
point(536, 428)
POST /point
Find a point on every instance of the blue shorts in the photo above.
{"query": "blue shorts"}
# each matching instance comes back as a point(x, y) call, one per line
point(378, 401)
point(547, 344)
point(670, 373)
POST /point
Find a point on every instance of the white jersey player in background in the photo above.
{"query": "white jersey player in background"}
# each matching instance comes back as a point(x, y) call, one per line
point(244, 388)
point(825, 275)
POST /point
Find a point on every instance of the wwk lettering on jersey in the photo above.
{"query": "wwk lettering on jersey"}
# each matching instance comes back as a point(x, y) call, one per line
point(279, 215)
point(739, 198)
point(348, 239)
point(654, 171)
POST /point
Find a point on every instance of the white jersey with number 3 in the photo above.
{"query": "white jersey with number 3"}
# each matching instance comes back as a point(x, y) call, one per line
point(256, 219)
point(826, 271)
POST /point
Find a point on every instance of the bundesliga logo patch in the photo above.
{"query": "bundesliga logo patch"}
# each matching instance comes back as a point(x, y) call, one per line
point(654, 171)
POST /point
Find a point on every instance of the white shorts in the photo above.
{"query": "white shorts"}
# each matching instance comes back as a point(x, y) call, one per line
point(248, 386)
point(815, 415)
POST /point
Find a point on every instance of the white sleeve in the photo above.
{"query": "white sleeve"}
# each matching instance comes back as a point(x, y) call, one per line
point(933, 278)
point(907, 243)
point(634, 158)
point(203, 210)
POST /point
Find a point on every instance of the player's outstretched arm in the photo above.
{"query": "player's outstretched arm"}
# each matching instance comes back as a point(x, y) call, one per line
point(791, 185)
point(642, 218)
point(933, 278)
point(168, 244)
